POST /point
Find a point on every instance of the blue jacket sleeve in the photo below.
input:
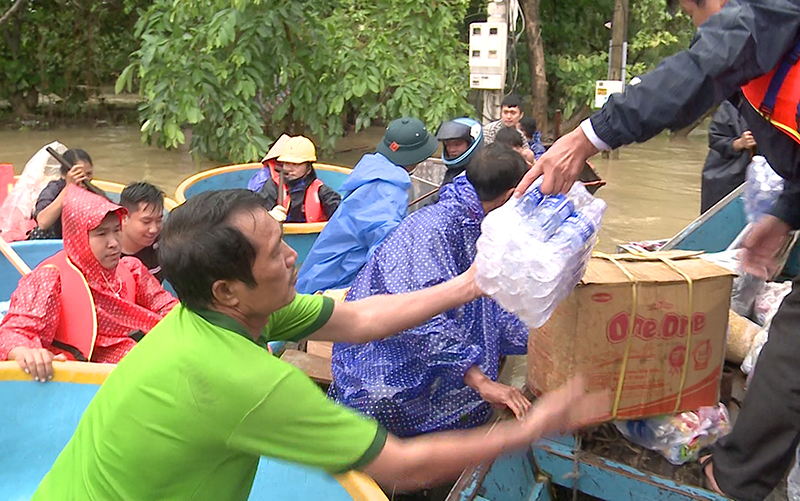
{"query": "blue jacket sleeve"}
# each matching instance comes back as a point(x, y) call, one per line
point(746, 39)
point(513, 333)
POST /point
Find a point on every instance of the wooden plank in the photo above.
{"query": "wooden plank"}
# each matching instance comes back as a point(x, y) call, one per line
point(317, 368)
point(322, 349)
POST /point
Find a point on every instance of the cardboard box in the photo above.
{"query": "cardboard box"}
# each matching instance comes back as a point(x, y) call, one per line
point(589, 331)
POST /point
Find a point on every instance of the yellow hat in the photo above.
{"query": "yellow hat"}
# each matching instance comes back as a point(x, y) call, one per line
point(298, 150)
point(277, 148)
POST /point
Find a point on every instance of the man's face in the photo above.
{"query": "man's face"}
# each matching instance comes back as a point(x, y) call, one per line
point(293, 172)
point(273, 269)
point(511, 116)
point(700, 13)
point(104, 241)
point(143, 226)
point(455, 147)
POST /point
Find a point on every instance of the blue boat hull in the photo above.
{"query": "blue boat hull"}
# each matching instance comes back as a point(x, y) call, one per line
point(37, 420)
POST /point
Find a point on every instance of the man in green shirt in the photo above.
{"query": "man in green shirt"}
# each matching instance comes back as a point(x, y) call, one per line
point(189, 411)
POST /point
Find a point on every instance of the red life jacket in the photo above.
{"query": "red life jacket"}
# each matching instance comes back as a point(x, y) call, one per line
point(776, 95)
point(312, 203)
point(77, 320)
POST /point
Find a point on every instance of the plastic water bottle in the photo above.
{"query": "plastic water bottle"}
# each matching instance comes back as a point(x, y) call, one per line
point(552, 211)
point(762, 189)
point(793, 488)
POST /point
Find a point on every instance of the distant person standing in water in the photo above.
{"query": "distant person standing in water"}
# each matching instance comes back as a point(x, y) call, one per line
point(730, 146)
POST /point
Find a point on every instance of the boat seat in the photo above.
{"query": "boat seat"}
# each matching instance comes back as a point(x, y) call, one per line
point(316, 367)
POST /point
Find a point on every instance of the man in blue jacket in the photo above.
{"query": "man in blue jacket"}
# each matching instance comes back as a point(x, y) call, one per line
point(737, 41)
point(375, 201)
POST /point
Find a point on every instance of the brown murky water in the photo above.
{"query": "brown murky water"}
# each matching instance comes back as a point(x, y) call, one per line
point(653, 190)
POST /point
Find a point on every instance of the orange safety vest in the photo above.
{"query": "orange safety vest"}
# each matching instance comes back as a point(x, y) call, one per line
point(776, 95)
point(77, 320)
point(312, 203)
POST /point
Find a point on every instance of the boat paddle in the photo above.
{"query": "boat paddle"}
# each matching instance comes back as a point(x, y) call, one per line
point(89, 186)
point(14, 258)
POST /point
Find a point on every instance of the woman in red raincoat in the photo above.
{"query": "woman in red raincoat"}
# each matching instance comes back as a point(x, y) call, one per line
point(125, 296)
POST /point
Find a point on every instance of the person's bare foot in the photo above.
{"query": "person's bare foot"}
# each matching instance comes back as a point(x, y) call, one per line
point(708, 470)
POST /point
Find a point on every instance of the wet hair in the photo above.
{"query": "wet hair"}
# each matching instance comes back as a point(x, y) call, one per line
point(199, 245)
point(141, 192)
point(73, 156)
point(510, 137)
point(495, 170)
point(512, 101)
point(528, 125)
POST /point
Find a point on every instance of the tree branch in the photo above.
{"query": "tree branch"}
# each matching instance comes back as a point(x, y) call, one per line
point(11, 11)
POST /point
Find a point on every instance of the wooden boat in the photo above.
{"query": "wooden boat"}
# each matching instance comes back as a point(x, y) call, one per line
point(37, 420)
point(299, 236)
point(716, 229)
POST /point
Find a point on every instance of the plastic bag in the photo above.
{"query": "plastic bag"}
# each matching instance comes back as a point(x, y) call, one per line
point(679, 438)
point(17, 209)
point(750, 360)
point(769, 300)
point(741, 333)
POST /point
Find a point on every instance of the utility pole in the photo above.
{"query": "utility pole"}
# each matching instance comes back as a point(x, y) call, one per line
point(498, 13)
point(619, 35)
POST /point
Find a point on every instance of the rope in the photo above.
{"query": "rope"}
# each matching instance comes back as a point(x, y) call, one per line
point(629, 338)
point(628, 341)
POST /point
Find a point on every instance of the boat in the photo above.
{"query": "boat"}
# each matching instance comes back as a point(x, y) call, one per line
point(299, 236)
point(39, 419)
point(34, 252)
point(715, 231)
point(561, 464)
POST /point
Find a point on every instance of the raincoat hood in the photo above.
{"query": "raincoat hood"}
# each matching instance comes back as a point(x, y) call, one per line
point(375, 167)
point(462, 195)
point(83, 211)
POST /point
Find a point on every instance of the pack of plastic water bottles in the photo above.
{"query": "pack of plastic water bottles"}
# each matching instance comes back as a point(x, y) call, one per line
point(534, 249)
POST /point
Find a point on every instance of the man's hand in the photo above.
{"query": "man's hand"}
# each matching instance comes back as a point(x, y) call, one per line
point(745, 142)
point(278, 213)
point(567, 408)
point(500, 395)
point(560, 165)
point(38, 362)
point(497, 394)
point(761, 246)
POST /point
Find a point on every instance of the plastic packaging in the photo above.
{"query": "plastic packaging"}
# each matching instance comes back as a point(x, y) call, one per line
point(750, 360)
point(741, 333)
point(18, 207)
point(762, 188)
point(768, 301)
point(679, 438)
point(533, 250)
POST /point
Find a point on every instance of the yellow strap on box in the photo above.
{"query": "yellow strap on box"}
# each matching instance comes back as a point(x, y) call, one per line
point(628, 342)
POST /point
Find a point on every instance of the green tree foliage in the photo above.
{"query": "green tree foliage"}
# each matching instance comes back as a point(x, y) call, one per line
point(64, 48)
point(576, 45)
point(240, 72)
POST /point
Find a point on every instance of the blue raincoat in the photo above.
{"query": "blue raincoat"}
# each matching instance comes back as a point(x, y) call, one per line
point(258, 180)
point(413, 382)
point(536, 146)
point(375, 200)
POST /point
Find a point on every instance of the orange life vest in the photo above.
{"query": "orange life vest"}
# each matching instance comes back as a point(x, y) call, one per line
point(776, 95)
point(312, 203)
point(77, 320)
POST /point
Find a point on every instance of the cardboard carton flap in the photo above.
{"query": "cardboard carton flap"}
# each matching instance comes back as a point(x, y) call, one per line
point(650, 269)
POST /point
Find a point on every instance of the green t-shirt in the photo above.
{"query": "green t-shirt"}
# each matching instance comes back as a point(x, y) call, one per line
point(189, 411)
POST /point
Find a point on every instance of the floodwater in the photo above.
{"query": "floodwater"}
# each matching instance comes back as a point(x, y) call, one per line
point(653, 189)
